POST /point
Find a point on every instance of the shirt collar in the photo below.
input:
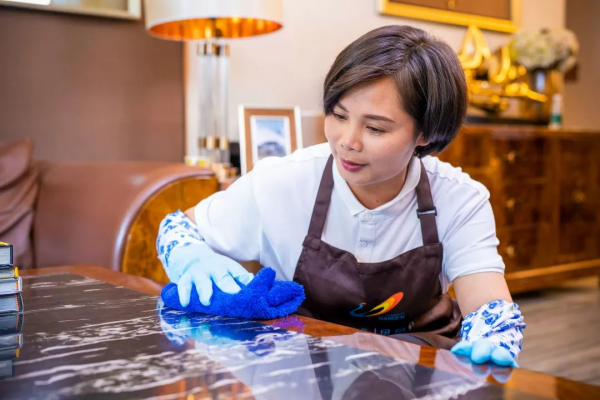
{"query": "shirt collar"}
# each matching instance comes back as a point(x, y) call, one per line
point(355, 207)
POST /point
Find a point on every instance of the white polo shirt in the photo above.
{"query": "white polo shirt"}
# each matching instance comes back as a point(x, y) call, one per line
point(265, 215)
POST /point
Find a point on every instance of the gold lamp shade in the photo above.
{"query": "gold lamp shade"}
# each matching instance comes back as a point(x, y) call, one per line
point(211, 19)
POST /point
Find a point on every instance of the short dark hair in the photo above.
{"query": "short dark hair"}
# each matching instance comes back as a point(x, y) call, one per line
point(430, 80)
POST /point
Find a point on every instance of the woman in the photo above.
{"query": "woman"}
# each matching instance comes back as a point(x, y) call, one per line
point(372, 227)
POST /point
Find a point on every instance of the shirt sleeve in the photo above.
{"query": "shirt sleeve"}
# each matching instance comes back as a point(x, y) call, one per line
point(470, 243)
point(229, 221)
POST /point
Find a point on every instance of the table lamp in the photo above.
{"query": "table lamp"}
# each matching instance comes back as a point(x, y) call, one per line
point(211, 23)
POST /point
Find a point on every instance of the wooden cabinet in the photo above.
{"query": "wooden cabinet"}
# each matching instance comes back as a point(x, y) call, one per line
point(545, 193)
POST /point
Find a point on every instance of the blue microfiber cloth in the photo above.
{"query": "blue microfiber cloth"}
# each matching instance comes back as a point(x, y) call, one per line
point(262, 298)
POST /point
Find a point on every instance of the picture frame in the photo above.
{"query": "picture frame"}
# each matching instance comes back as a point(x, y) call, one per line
point(121, 9)
point(267, 131)
point(499, 15)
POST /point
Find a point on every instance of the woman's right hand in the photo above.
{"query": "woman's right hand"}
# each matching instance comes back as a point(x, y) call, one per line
point(200, 266)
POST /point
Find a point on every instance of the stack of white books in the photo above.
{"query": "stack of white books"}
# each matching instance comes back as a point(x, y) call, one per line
point(11, 311)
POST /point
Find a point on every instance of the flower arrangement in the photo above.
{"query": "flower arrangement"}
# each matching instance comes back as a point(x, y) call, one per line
point(554, 49)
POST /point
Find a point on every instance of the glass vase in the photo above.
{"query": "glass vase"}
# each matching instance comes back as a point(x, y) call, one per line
point(546, 82)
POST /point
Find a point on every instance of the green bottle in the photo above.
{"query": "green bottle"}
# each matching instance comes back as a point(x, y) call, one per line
point(556, 112)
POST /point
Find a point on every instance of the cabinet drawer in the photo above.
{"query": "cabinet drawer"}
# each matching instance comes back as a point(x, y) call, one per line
point(577, 242)
point(468, 151)
point(520, 159)
point(516, 205)
point(519, 248)
point(578, 204)
point(577, 158)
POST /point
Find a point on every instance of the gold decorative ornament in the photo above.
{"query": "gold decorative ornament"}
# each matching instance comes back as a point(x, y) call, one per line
point(492, 79)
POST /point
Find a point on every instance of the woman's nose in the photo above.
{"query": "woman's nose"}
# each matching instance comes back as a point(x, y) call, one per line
point(351, 139)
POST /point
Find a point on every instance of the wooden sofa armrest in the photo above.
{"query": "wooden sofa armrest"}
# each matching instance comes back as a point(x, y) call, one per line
point(138, 253)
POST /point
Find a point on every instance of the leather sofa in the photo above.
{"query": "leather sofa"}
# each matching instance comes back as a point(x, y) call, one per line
point(104, 213)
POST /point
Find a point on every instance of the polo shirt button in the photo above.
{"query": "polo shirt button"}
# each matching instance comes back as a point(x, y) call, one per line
point(368, 216)
point(364, 244)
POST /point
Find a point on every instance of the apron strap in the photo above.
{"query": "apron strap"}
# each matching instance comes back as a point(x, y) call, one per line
point(319, 214)
point(426, 211)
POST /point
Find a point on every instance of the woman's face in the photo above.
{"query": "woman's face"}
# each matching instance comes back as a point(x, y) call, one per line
point(371, 137)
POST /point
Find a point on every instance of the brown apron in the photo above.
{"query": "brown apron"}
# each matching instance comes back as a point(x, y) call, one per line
point(392, 297)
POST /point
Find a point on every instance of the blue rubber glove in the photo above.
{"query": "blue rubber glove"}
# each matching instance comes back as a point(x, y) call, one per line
point(493, 333)
point(189, 261)
point(197, 265)
point(484, 350)
point(501, 374)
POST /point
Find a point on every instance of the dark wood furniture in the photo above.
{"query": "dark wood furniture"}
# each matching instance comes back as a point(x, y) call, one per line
point(545, 193)
point(87, 335)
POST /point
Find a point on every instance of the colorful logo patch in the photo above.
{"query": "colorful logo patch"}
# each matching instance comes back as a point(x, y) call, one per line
point(383, 308)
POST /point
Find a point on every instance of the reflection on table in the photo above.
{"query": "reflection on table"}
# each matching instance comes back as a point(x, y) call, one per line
point(85, 337)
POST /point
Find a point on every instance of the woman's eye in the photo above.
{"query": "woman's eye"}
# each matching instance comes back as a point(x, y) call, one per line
point(375, 130)
point(339, 116)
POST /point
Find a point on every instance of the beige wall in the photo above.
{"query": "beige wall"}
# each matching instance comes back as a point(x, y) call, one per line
point(287, 67)
point(581, 96)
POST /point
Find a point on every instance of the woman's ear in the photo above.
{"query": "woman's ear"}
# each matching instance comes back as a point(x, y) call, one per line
point(420, 141)
point(420, 145)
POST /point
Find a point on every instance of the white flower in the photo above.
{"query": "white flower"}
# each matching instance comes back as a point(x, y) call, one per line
point(548, 48)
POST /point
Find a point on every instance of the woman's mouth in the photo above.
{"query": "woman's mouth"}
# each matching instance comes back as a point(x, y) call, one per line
point(351, 166)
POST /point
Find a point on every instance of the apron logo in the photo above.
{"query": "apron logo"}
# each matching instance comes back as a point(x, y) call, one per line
point(383, 308)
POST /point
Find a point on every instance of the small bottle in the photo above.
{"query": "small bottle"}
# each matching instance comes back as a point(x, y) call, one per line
point(224, 149)
point(556, 112)
point(203, 159)
point(212, 147)
point(191, 160)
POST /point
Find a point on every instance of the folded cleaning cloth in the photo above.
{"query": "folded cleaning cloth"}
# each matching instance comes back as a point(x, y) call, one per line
point(262, 298)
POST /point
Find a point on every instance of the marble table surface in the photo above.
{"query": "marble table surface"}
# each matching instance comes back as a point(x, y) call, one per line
point(84, 337)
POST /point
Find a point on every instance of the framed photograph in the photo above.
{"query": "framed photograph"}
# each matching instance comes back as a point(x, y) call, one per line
point(268, 132)
point(497, 15)
point(124, 9)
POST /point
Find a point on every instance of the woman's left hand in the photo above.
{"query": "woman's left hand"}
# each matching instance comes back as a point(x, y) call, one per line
point(484, 350)
point(493, 333)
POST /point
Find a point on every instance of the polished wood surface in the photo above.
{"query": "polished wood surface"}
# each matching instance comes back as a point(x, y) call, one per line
point(545, 193)
point(128, 281)
point(545, 386)
point(140, 257)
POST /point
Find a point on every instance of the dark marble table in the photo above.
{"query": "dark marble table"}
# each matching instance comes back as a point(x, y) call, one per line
point(87, 334)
